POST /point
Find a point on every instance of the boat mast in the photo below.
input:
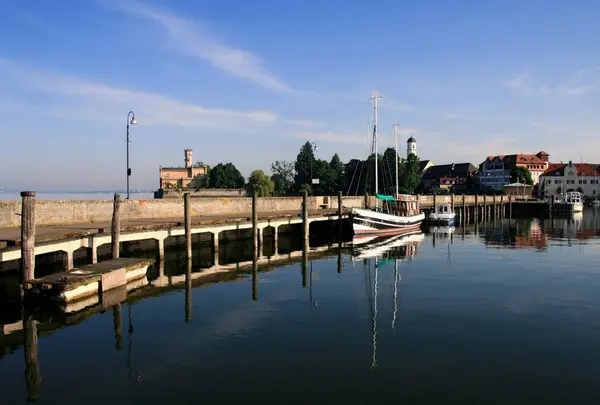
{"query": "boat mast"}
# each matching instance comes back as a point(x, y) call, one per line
point(375, 99)
point(396, 144)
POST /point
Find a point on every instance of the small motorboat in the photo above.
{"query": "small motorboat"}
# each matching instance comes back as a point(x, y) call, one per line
point(442, 215)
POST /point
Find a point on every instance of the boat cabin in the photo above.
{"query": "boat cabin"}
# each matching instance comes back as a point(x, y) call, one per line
point(403, 205)
point(443, 209)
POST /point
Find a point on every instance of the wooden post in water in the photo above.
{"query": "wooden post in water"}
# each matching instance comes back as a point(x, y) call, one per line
point(255, 222)
point(187, 219)
point(255, 276)
point(188, 291)
point(510, 206)
point(115, 230)
point(27, 236)
point(33, 377)
point(494, 210)
point(502, 206)
point(118, 326)
point(476, 210)
point(464, 211)
point(305, 225)
point(366, 200)
point(452, 201)
point(485, 212)
point(340, 216)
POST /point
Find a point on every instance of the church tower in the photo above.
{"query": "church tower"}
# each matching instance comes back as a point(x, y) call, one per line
point(411, 146)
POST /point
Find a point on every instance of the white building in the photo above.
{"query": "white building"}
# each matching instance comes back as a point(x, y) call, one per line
point(560, 178)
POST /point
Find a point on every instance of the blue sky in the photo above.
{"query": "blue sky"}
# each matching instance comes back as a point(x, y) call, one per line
point(250, 81)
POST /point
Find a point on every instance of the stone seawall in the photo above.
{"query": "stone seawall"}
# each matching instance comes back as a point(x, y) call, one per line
point(68, 212)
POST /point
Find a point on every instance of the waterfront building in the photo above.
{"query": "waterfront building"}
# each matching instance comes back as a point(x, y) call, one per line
point(449, 176)
point(182, 176)
point(561, 178)
point(494, 172)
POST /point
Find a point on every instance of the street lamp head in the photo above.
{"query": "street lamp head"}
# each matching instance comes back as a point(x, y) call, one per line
point(133, 120)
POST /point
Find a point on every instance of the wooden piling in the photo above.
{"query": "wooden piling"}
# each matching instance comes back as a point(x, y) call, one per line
point(255, 221)
point(255, 277)
point(366, 200)
point(118, 326)
point(464, 211)
point(501, 207)
point(485, 207)
point(476, 209)
point(33, 377)
point(27, 236)
point(305, 225)
point(339, 216)
point(115, 230)
point(188, 292)
point(434, 201)
point(452, 201)
point(187, 219)
point(510, 207)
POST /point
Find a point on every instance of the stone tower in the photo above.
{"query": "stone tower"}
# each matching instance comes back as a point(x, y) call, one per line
point(411, 146)
point(188, 158)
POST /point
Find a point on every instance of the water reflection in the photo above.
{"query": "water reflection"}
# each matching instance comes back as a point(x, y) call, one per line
point(375, 252)
point(538, 234)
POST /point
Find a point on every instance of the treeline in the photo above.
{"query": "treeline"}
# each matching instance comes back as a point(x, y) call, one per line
point(355, 177)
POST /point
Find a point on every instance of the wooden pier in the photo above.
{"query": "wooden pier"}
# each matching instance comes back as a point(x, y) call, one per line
point(90, 280)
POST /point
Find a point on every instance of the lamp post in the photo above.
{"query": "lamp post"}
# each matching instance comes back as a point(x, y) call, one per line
point(313, 147)
point(131, 121)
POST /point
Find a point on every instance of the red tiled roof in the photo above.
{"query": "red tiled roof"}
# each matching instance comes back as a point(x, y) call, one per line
point(585, 169)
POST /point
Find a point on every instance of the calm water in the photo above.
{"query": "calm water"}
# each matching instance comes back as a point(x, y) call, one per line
point(504, 314)
point(89, 195)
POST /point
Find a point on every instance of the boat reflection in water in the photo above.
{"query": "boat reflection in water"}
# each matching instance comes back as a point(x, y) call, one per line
point(375, 253)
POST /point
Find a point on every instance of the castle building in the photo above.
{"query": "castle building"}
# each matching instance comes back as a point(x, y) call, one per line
point(181, 177)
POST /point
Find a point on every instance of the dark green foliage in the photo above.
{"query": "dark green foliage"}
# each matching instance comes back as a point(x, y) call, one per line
point(225, 176)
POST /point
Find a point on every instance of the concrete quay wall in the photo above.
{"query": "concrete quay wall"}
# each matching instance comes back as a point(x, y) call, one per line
point(66, 212)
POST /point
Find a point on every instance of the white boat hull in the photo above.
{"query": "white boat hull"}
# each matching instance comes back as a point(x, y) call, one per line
point(442, 219)
point(369, 222)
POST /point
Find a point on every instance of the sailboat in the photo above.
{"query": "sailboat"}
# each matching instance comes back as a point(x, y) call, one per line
point(398, 214)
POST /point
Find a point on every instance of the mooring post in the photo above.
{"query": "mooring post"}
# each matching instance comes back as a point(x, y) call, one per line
point(434, 201)
point(464, 211)
point(476, 211)
point(254, 222)
point(366, 200)
point(187, 219)
point(494, 208)
point(510, 207)
point(305, 225)
point(339, 216)
point(27, 236)
point(115, 230)
point(339, 258)
point(452, 201)
point(485, 207)
point(255, 276)
point(188, 292)
point(33, 377)
point(502, 206)
point(118, 326)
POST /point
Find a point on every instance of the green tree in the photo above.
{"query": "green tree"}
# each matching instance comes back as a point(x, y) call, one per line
point(260, 184)
point(336, 168)
point(303, 163)
point(283, 176)
point(519, 174)
point(225, 176)
point(409, 174)
point(322, 172)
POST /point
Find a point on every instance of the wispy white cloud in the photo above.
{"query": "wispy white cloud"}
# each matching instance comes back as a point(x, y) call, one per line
point(305, 123)
point(333, 136)
point(192, 38)
point(520, 81)
point(83, 99)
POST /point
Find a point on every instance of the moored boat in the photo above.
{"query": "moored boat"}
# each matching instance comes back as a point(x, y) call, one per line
point(442, 215)
point(396, 214)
